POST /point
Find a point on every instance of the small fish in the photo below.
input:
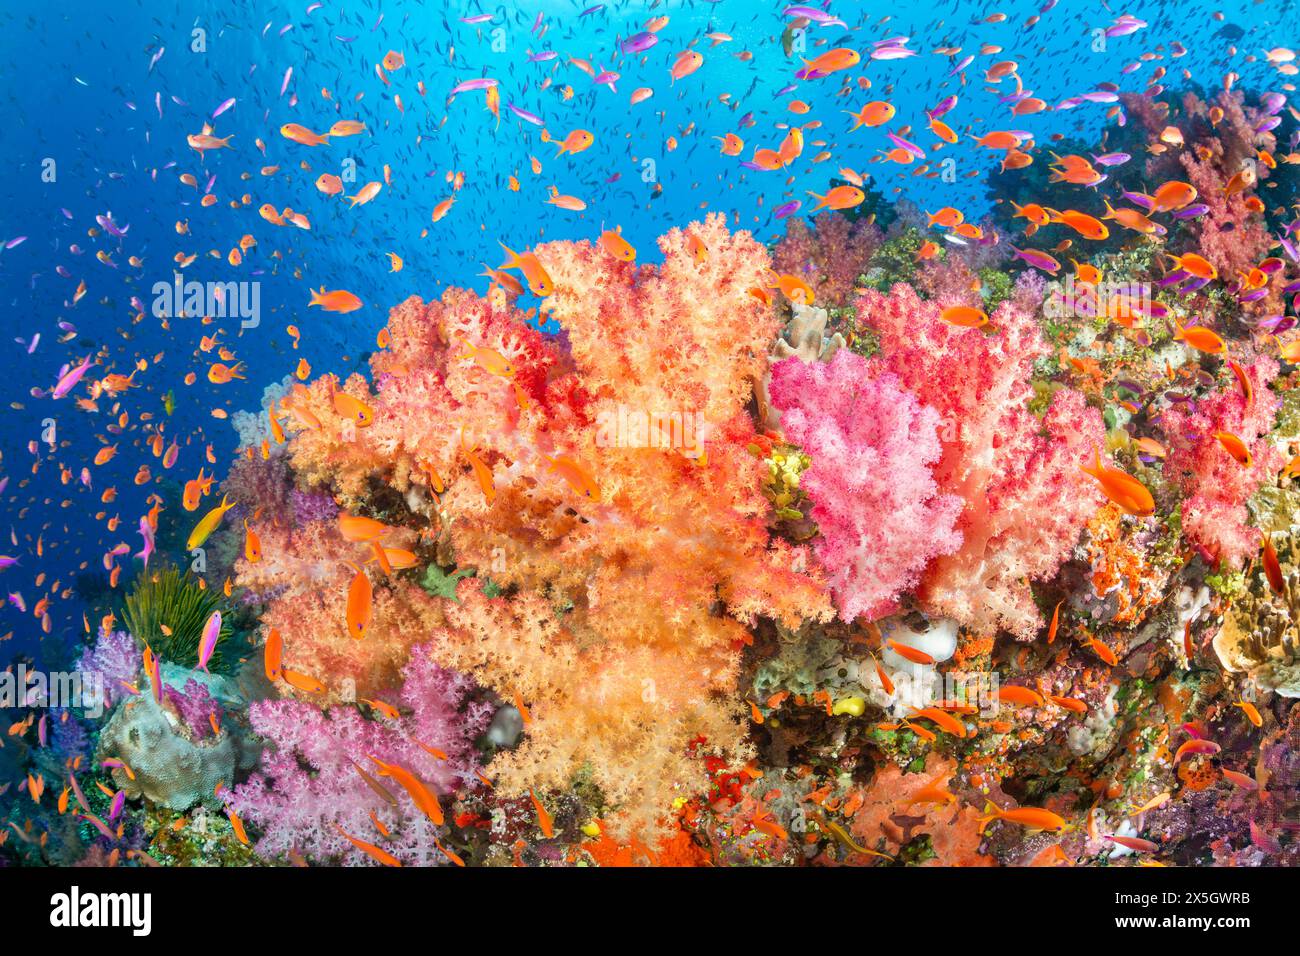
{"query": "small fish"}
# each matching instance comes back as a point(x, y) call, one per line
point(207, 524)
point(208, 640)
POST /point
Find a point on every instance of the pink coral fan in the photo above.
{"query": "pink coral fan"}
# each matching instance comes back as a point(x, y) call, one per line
point(876, 504)
point(1026, 500)
point(1214, 484)
point(830, 256)
point(577, 472)
point(308, 784)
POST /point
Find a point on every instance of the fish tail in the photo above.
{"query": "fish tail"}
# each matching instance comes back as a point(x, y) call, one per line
point(990, 814)
point(514, 262)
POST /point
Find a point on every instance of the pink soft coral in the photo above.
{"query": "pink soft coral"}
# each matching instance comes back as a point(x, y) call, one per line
point(1215, 486)
point(308, 784)
point(1026, 501)
point(878, 510)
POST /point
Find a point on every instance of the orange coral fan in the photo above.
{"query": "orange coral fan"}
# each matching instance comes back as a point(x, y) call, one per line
point(582, 474)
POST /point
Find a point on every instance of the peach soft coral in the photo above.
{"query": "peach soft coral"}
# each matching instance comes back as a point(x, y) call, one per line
point(658, 573)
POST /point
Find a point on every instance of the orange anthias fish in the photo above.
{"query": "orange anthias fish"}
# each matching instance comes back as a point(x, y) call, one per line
point(876, 113)
point(618, 247)
point(301, 134)
point(1032, 818)
point(272, 655)
point(482, 473)
point(575, 475)
point(841, 197)
point(337, 300)
point(488, 359)
point(423, 798)
point(543, 818)
point(357, 528)
point(1123, 489)
point(353, 409)
point(1201, 339)
point(1235, 447)
point(252, 544)
point(965, 316)
point(360, 604)
point(1272, 567)
point(383, 856)
point(539, 282)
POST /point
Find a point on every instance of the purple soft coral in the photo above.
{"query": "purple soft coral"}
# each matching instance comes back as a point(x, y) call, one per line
point(309, 784)
point(115, 659)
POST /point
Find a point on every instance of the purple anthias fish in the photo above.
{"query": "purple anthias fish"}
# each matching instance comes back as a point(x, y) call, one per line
point(1039, 260)
point(962, 64)
point(786, 209)
point(1192, 211)
point(891, 53)
point(526, 116)
point(208, 642)
point(146, 532)
point(1272, 102)
point(943, 106)
point(639, 42)
point(903, 144)
point(1139, 199)
point(815, 14)
point(1111, 159)
point(7, 562)
point(70, 378)
point(110, 227)
point(1125, 26)
point(469, 86)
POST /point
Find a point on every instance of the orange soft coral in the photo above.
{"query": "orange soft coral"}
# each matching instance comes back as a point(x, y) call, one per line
point(603, 473)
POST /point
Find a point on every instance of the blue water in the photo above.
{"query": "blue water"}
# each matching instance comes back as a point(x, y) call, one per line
point(80, 92)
